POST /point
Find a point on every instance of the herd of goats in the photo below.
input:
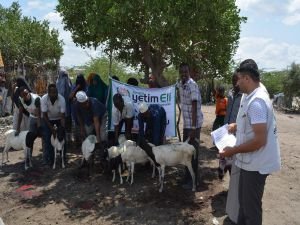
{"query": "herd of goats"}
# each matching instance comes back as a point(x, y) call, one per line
point(128, 153)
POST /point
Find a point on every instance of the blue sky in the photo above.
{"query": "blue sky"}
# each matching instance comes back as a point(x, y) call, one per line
point(271, 35)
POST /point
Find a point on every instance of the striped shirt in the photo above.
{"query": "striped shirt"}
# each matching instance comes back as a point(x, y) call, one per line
point(190, 92)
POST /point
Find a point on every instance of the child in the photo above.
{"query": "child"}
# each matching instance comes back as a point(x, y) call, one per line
point(221, 105)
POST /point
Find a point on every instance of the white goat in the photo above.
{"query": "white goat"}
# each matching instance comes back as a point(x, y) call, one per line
point(24, 140)
point(128, 152)
point(171, 155)
point(58, 143)
point(132, 155)
point(88, 147)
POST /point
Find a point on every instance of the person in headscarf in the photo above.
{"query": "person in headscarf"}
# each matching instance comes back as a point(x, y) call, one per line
point(64, 88)
point(20, 82)
point(4, 106)
point(89, 79)
point(98, 89)
point(80, 85)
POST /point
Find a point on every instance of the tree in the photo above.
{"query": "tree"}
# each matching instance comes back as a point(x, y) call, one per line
point(101, 66)
point(153, 34)
point(291, 84)
point(273, 81)
point(26, 40)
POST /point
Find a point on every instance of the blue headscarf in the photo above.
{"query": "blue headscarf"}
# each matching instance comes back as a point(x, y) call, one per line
point(64, 87)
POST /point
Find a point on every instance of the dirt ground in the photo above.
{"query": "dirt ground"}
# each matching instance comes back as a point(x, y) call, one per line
point(42, 196)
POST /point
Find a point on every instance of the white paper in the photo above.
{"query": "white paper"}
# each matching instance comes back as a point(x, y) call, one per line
point(222, 138)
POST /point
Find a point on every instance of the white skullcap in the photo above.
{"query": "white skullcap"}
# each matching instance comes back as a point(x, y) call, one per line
point(81, 96)
point(143, 107)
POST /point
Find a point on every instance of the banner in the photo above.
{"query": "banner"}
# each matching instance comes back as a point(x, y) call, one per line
point(162, 96)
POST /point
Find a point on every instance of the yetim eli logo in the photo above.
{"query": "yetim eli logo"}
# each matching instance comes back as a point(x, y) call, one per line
point(148, 98)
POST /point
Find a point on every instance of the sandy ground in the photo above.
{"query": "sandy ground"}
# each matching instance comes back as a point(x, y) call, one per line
point(42, 196)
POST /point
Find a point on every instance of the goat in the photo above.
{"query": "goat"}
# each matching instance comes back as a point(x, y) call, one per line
point(170, 155)
point(24, 140)
point(224, 166)
point(129, 153)
point(58, 143)
point(88, 148)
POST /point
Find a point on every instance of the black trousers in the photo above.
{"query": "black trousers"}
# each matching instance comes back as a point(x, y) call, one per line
point(186, 133)
point(251, 190)
point(219, 121)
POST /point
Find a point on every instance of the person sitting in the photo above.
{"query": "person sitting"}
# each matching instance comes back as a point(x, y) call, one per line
point(156, 121)
point(123, 111)
point(53, 107)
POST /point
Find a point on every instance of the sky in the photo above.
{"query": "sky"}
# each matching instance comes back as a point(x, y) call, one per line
point(271, 35)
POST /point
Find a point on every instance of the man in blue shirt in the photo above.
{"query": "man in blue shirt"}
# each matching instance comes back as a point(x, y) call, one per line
point(92, 116)
point(155, 118)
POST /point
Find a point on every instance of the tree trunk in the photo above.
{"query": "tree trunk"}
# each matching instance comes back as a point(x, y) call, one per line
point(155, 61)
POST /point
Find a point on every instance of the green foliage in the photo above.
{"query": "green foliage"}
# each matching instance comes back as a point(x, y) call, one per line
point(24, 39)
point(101, 67)
point(171, 74)
point(157, 33)
point(273, 81)
point(291, 84)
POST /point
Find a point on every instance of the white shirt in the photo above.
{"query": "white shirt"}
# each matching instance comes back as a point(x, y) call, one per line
point(31, 108)
point(266, 159)
point(54, 110)
point(127, 112)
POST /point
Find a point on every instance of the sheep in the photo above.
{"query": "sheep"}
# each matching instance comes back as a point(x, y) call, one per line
point(24, 140)
point(58, 143)
point(128, 152)
point(170, 155)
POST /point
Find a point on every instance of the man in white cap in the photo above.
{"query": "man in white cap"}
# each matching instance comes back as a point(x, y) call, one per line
point(92, 116)
point(156, 121)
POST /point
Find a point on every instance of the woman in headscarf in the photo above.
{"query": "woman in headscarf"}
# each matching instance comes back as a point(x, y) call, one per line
point(64, 87)
point(20, 82)
point(89, 79)
point(98, 89)
point(80, 85)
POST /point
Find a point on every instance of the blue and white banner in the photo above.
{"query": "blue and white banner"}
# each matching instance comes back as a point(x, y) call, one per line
point(162, 96)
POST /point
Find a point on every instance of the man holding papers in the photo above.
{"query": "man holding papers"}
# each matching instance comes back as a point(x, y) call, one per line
point(257, 150)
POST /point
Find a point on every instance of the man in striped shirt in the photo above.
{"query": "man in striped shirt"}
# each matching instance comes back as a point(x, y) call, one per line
point(190, 99)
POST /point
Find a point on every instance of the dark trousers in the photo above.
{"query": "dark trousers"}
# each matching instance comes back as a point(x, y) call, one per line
point(48, 151)
point(219, 121)
point(251, 190)
point(195, 143)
